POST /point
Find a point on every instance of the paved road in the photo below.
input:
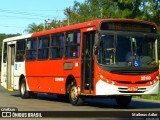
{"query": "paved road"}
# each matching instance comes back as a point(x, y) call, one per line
point(50, 103)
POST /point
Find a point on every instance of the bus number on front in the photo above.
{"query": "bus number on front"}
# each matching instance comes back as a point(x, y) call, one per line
point(145, 77)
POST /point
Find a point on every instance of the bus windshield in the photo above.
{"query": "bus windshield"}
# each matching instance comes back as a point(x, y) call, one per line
point(126, 49)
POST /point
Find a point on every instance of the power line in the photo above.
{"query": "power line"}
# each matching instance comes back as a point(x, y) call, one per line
point(39, 10)
point(11, 26)
point(26, 13)
point(17, 17)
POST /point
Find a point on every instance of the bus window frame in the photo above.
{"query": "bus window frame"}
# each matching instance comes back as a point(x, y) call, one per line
point(70, 45)
point(5, 52)
point(17, 50)
point(59, 45)
point(43, 48)
point(28, 50)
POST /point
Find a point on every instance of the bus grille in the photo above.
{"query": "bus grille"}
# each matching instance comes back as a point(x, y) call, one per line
point(132, 72)
point(125, 90)
point(129, 82)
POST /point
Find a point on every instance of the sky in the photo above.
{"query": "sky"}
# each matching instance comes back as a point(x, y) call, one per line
point(16, 15)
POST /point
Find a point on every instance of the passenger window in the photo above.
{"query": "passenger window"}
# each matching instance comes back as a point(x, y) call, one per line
point(20, 51)
point(5, 53)
point(31, 49)
point(43, 47)
point(72, 46)
point(57, 46)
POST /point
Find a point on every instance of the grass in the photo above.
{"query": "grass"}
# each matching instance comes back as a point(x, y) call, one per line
point(149, 97)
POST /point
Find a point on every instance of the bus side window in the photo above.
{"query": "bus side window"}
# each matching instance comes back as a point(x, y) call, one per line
point(72, 46)
point(43, 47)
point(31, 49)
point(5, 53)
point(20, 50)
point(57, 46)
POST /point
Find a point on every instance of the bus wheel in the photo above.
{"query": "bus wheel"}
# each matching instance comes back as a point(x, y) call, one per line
point(74, 98)
point(123, 101)
point(23, 90)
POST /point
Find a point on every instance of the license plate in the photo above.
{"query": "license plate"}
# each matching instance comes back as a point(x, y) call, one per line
point(133, 89)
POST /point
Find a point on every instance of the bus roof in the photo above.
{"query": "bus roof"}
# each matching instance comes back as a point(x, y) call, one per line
point(17, 38)
point(74, 27)
point(85, 25)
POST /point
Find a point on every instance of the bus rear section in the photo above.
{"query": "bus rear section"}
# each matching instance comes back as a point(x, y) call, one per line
point(12, 62)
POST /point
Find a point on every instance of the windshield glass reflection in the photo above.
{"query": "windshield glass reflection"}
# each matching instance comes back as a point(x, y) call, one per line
point(126, 50)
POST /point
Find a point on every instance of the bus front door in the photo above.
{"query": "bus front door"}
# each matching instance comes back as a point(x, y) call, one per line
point(87, 62)
point(10, 66)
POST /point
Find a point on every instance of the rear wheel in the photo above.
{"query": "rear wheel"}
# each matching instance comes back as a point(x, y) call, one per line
point(123, 101)
point(74, 98)
point(23, 90)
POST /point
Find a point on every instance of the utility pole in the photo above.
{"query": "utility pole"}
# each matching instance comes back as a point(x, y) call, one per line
point(45, 22)
point(68, 19)
point(68, 12)
point(101, 12)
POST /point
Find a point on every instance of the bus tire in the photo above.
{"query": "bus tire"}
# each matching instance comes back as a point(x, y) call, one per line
point(23, 90)
point(74, 98)
point(123, 101)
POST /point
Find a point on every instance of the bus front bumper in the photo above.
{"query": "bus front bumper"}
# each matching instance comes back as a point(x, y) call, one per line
point(103, 88)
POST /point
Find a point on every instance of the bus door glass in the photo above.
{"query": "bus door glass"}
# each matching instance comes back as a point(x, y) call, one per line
point(10, 65)
point(87, 61)
point(107, 48)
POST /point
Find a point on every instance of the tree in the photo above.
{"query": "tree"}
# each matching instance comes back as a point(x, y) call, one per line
point(95, 9)
point(34, 28)
point(136, 9)
point(68, 12)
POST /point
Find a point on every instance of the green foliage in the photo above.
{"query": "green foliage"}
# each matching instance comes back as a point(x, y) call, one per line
point(158, 34)
point(34, 28)
point(95, 9)
point(150, 97)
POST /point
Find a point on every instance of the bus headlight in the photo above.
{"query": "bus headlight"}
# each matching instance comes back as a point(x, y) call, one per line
point(113, 83)
point(101, 77)
point(157, 77)
point(107, 80)
point(150, 82)
point(154, 81)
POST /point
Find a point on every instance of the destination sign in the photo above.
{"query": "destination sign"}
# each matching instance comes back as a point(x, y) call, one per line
point(128, 26)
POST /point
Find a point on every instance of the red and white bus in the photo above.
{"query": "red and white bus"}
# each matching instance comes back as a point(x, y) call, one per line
point(115, 58)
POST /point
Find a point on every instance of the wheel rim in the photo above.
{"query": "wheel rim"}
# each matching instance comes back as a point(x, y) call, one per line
point(22, 89)
point(74, 93)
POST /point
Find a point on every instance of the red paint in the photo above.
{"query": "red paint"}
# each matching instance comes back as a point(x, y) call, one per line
point(41, 74)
